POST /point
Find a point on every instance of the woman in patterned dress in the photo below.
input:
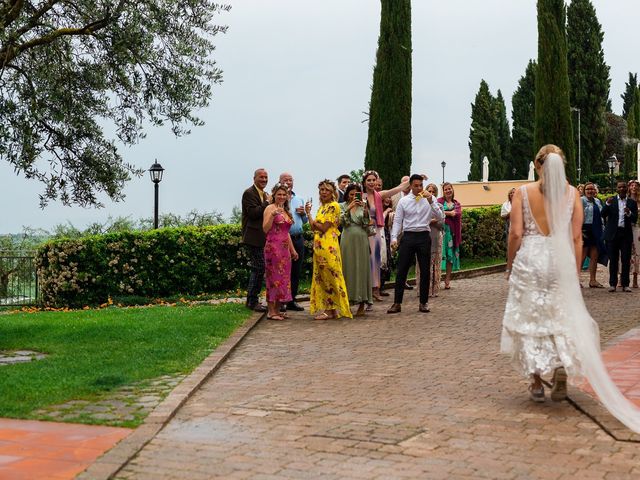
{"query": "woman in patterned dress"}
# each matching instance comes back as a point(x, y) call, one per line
point(278, 251)
point(328, 290)
point(376, 212)
point(452, 232)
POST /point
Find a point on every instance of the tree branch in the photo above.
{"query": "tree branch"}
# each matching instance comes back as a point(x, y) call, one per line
point(10, 53)
point(33, 21)
point(8, 16)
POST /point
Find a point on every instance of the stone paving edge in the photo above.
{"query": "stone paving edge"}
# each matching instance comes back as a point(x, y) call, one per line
point(109, 464)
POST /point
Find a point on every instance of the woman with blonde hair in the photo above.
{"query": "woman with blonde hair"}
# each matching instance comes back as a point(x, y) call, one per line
point(436, 231)
point(328, 290)
point(278, 250)
point(546, 327)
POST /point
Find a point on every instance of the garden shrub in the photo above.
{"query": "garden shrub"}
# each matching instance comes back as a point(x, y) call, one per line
point(188, 260)
point(156, 263)
point(483, 233)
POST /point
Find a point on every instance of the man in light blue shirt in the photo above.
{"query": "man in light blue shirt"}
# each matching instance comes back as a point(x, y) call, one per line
point(299, 219)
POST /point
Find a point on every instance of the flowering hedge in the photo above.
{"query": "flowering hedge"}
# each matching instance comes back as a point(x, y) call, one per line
point(187, 261)
point(154, 263)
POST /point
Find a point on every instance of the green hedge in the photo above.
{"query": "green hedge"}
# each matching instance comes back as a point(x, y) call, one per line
point(188, 260)
point(483, 233)
point(155, 263)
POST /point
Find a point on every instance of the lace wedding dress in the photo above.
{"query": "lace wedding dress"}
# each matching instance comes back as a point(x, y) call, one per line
point(546, 323)
point(532, 332)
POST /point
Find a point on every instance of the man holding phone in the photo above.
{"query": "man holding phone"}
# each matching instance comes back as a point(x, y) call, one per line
point(413, 217)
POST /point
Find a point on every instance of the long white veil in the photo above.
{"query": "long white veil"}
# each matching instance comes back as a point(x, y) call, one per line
point(580, 328)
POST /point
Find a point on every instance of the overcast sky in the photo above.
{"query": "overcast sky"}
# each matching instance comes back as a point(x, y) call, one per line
point(297, 76)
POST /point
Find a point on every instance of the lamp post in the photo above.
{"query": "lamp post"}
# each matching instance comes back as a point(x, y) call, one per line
point(156, 177)
point(611, 162)
point(576, 109)
point(513, 173)
point(443, 164)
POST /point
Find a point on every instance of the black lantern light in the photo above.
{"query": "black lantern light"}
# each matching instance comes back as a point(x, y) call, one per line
point(155, 172)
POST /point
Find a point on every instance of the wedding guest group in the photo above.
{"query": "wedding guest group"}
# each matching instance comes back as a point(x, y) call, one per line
point(353, 252)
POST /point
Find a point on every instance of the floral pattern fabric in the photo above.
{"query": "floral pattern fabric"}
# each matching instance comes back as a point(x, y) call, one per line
point(328, 289)
point(277, 260)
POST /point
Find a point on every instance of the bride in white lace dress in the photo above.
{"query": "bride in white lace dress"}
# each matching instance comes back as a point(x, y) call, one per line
point(546, 326)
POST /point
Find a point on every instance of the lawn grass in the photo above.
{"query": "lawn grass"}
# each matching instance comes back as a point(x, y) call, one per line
point(91, 352)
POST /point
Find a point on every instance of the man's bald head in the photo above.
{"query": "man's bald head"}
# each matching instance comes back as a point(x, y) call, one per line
point(287, 179)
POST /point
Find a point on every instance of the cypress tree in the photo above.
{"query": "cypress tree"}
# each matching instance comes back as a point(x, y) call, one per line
point(633, 136)
point(522, 117)
point(503, 166)
point(589, 79)
point(552, 110)
point(629, 94)
point(483, 138)
point(389, 139)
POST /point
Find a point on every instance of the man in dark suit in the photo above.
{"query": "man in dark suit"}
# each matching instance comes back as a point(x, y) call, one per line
point(342, 183)
point(254, 201)
point(619, 213)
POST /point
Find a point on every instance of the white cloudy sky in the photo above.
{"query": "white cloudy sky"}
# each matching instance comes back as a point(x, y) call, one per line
point(297, 78)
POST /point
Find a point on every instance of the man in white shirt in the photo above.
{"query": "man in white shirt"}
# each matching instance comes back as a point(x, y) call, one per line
point(413, 216)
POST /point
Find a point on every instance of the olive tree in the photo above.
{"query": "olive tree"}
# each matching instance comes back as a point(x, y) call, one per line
point(71, 69)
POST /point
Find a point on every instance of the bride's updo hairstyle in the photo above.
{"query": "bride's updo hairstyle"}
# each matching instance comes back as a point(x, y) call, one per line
point(541, 156)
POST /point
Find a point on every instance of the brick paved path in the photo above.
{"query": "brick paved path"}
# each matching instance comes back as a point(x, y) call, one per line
point(405, 396)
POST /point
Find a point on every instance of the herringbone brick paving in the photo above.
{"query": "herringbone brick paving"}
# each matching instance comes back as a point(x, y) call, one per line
point(388, 396)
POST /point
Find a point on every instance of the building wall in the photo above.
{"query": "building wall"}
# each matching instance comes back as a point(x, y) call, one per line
point(484, 194)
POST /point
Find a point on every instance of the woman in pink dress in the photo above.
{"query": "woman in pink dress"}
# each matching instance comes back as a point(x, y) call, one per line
point(278, 251)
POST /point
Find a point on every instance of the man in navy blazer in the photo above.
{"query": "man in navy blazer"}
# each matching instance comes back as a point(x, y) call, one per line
point(619, 213)
point(254, 201)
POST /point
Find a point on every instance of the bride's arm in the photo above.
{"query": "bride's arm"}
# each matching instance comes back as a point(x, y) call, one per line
point(516, 228)
point(576, 230)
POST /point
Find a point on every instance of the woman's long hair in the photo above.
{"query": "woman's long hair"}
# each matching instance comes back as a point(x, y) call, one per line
point(331, 186)
point(577, 325)
point(453, 192)
point(277, 187)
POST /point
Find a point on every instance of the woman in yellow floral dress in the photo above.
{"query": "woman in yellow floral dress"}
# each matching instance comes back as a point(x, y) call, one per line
point(328, 290)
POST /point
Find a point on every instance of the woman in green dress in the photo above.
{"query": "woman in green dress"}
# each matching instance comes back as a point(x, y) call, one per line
point(354, 247)
point(452, 232)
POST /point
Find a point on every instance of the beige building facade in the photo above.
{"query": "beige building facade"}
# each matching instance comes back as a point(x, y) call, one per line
point(484, 194)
